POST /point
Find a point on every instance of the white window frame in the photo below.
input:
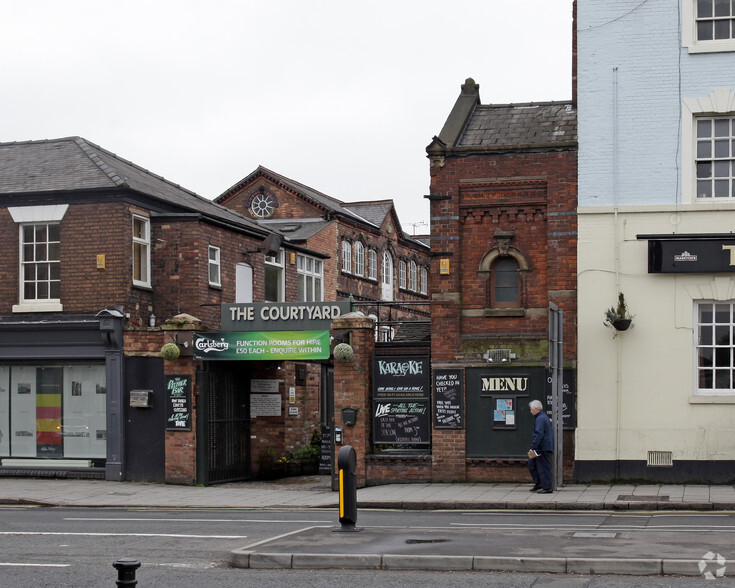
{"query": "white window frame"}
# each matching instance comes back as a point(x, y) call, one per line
point(721, 102)
point(359, 259)
point(402, 274)
point(277, 263)
point(243, 282)
point(424, 281)
point(44, 264)
point(413, 276)
point(373, 264)
point(310, 276)
point(214, 266)
point(43, 214)
point(710, 347)
point(346, 257)
point(689, 33)
point(144, 245)
point(387, 279)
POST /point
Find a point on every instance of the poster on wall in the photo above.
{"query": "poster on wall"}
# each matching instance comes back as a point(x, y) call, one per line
point(401, 422)
point(448, 399)
point(401, 377)
point(178, 402)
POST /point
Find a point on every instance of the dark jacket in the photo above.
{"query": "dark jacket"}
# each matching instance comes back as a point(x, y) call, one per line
point(543, 435)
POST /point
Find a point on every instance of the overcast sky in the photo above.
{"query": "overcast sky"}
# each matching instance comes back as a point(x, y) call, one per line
point(343, 96)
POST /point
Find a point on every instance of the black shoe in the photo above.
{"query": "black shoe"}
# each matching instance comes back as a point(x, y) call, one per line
point(536, 488)
point(544, 491)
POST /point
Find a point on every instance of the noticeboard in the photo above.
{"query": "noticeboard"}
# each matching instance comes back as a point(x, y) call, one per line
point(178, 403)
point(448, 399)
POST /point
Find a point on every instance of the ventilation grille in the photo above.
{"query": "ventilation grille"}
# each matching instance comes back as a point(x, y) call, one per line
point(660, 458)
point(497, 355)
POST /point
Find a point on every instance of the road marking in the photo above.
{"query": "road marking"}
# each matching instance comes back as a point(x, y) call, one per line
point(172, 535)
point(33, 565)
point(153, 520)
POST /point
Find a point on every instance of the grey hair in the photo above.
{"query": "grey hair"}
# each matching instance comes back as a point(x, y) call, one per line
point(536, 404)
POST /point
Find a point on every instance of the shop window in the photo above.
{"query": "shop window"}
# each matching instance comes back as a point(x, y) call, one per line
point(53, 412)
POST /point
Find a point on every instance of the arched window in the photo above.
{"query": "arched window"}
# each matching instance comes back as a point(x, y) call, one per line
point(346, 257)
point(359, 259)
point(504, 284)
point(387, 289)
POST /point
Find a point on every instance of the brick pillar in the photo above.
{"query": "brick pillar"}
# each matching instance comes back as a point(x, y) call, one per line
point(352, 388)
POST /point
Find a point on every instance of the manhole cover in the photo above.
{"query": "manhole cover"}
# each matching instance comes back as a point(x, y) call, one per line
point(412, 541)
point(642, 498)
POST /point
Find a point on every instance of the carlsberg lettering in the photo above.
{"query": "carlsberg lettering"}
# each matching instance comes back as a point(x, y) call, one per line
point(401, 368)
point(504, 384)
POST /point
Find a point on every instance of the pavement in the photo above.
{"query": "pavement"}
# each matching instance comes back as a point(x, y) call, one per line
point(414, 548)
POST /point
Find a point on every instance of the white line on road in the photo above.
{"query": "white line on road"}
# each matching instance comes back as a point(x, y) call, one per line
point(153, 520)
point(173, 535)
point(34, 565)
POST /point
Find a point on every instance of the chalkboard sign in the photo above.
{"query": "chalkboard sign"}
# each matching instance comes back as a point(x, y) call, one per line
point(401, 422)
point(326, 456)
point(178, 402)
point(401, 377)
point(448, 399)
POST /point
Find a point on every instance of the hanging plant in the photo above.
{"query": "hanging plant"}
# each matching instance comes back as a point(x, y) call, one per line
point(170, 351)
point(618, 317)
point(343, 352)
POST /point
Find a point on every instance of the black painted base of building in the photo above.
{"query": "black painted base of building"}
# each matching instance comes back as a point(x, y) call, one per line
point(633, 471)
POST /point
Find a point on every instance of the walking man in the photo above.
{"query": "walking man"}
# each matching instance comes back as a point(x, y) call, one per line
point(542, 448)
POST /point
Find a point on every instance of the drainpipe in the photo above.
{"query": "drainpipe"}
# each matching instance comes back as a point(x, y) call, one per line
point(616, 245)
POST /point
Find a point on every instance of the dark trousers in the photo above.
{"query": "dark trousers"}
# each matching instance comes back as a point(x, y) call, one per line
point(540, 468)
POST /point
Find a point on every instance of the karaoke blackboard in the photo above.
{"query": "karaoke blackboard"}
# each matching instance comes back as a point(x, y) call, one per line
point(401, 422)
point(448, 399)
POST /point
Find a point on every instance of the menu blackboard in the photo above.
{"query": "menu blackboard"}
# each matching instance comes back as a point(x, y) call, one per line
point(401, 422)
point(326, 456)
point(569, 399)
point(178, 402)
point(448, 399)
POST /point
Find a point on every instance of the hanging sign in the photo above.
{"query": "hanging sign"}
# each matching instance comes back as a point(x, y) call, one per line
point(260, 345)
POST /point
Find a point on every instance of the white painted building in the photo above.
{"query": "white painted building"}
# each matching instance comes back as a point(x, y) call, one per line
point(656, 98)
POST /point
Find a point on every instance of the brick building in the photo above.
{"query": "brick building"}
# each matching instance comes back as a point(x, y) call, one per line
point(503, 240)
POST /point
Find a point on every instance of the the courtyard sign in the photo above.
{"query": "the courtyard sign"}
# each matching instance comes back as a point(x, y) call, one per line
point(281, 316)
point(283, 345)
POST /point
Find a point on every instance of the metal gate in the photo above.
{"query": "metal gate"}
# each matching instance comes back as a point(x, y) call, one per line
point(556, 365)
point(223, 426)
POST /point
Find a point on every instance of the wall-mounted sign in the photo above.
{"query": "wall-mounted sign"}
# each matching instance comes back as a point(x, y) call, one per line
point(448, 399)
point(283, 316)
point(682, 256)
point(401, 422)
point(264, 405)
point(178, 402)
point(262, 345)
point(401, 377)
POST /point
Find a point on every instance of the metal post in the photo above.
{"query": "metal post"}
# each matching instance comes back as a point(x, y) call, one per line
point(347, 472)
point(126, 567)
point(556, 365)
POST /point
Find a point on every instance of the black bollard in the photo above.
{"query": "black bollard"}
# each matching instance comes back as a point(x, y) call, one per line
point(126, 567)
point(347, 467)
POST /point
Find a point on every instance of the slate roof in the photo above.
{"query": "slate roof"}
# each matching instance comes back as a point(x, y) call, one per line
point(520, 126)
point(374, 212)
point(296, 229)
point(77, 165)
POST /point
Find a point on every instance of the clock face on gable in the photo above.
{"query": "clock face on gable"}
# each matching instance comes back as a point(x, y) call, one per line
point(262, 203)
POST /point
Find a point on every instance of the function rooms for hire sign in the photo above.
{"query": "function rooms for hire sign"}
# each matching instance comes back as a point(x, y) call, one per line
point(271, 331)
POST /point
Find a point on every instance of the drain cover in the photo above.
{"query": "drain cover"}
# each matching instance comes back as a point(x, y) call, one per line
point(412, 541)
point(641, 498)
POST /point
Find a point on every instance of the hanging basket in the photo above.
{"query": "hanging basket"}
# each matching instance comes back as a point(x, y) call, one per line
point(343, 352)
point(622, 324)
point(170, 351)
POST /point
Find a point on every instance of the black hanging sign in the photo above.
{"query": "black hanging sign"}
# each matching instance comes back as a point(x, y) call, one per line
point(448, 399)
point(178, 402)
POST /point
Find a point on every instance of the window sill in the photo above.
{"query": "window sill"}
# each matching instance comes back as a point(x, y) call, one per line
point(724, 399)
point(38, 307)
point(505, 312)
